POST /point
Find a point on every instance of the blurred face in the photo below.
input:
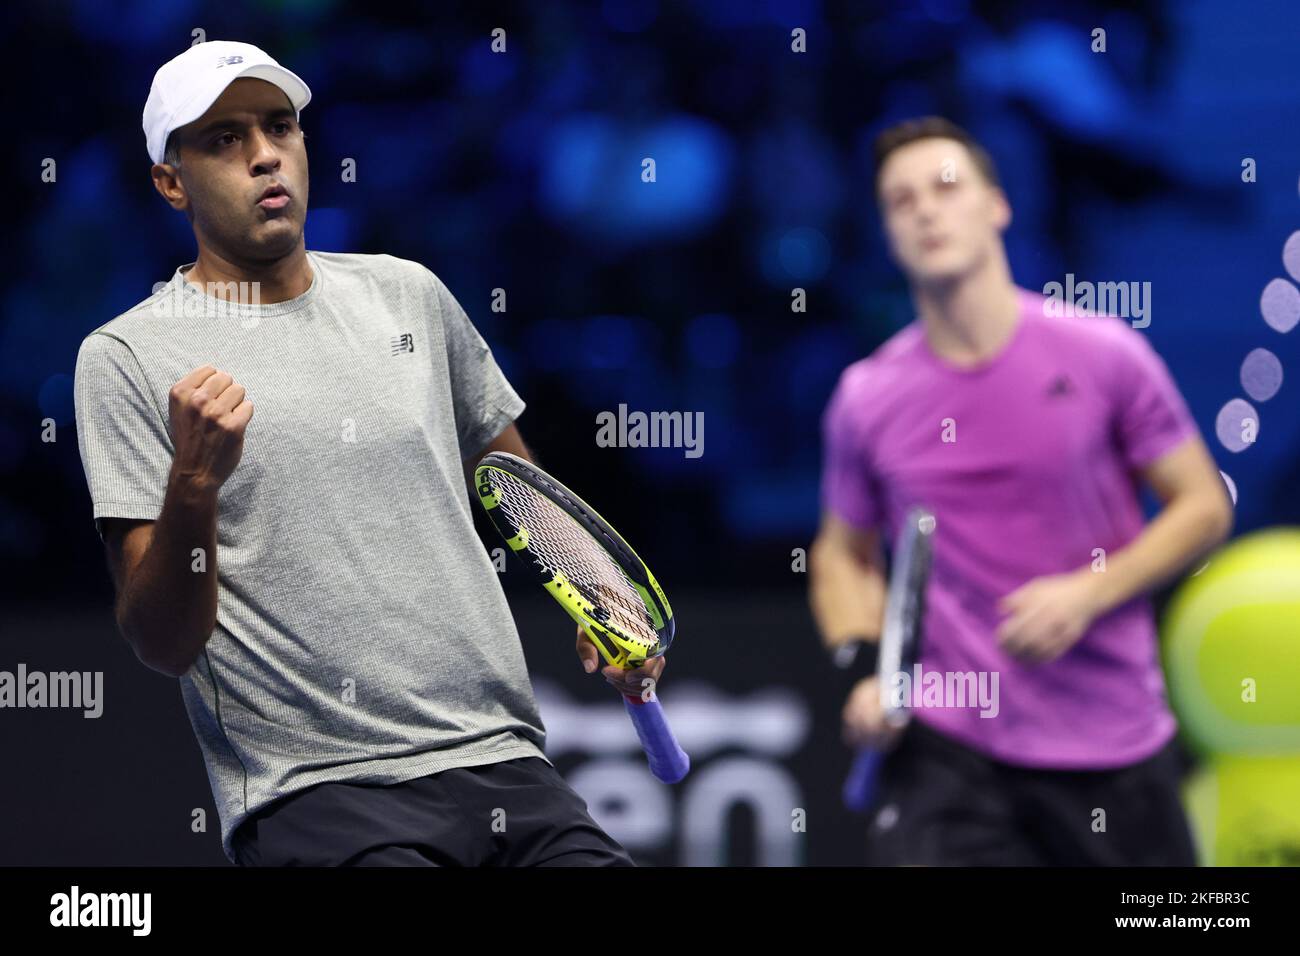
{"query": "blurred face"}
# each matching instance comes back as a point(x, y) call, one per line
point(942, 218)
point(246, 143)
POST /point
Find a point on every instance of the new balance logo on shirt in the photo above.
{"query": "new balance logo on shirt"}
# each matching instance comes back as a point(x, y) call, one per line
point(401, 343)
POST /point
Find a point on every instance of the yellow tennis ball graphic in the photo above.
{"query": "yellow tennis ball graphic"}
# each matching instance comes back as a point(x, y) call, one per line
point(1232, 648)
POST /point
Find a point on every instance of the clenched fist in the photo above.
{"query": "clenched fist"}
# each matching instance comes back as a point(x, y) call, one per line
point(208, 416)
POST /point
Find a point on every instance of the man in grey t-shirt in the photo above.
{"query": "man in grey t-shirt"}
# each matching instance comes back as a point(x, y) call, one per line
point(345, 652)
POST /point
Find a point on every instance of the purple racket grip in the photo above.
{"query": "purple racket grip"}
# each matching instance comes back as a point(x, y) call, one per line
point(860, 785)
point(668, 762)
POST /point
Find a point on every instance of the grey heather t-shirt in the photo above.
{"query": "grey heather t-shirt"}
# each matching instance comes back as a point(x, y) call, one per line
point(361, 633)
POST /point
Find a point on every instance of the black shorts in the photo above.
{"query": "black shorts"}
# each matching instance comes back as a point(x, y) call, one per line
point(942, 804)
point(512, 813)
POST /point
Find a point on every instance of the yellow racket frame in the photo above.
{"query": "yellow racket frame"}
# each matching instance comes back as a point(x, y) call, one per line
point(615, 645)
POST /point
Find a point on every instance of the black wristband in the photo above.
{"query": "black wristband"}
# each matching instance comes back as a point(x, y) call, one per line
point(856, 659)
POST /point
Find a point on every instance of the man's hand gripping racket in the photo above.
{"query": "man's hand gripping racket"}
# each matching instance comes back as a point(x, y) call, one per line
point(900, 646)
point(596, 577)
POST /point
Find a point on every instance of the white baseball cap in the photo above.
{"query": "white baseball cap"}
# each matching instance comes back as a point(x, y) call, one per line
point(185, 86)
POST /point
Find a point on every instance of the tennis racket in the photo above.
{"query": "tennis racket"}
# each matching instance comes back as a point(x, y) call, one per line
point(900, 644)
point(595, 575)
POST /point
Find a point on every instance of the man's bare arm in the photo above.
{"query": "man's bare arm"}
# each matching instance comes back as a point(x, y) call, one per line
point(1197, 516)
point(846, 582)
point(509, 440)
point(165, 609)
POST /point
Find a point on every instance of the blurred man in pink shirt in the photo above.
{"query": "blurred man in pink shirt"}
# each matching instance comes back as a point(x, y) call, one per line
point(1028, 435)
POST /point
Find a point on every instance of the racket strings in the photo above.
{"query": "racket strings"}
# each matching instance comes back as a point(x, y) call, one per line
point(564, 546)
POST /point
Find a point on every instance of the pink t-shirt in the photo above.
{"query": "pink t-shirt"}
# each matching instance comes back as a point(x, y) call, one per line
point(1029, 464)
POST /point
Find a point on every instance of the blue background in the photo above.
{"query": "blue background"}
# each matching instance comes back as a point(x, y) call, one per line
point(522, 171)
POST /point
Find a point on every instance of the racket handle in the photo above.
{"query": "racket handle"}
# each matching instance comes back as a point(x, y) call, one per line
point(668, 762)
point(860, 785)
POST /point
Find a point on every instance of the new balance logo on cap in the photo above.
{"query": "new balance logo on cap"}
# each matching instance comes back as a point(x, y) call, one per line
point(187, 85)
point(401, 343)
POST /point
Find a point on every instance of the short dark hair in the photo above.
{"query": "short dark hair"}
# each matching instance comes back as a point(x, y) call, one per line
point(932, 127)
point(172, 151)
